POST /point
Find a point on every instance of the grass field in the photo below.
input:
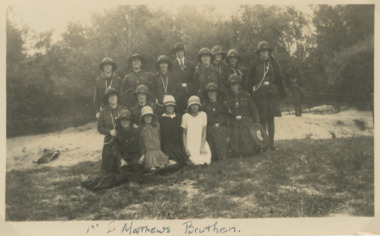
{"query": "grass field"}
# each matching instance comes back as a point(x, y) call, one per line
point(306, 178)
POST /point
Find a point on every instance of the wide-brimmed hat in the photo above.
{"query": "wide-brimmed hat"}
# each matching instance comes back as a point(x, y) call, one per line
point(161, 59)
point(211, 87)
point(108, 60)
point(233, 79)
point(194, 100)
point(233, 53)
point(136, 55)
point(125, 114)
point(147, 110)
point(263, 45)
point(202, 52)
point(218, 50)
point(169, 100)
point(179, 46)
point(259, 136)
point(109, 92)
point(142, 88)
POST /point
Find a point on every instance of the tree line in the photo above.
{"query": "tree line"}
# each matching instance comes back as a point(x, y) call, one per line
point(331, 54)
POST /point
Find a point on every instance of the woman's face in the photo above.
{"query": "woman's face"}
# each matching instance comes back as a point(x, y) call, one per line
point(218, 58)
point(125, 123)
point(107, 68)
point(180, 53)
point(212, 95)
point(164, 67)
point(112, 99)
point(136, 63)
point(205, 59)
point(148, 119)
point(141, 97)
point(235, 87)
point(233, 60)
point(194, 108)
point(264, 54)
point(169, 109)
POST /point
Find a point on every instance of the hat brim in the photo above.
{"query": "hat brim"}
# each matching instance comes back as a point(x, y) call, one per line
point(157, 64)
point(105, 97)
point(222, 53)
point(192, 103)
point(114, 65)
point(143, 61)
point(142, 116)
point(204, 54)
point(263, 141)
point(174, 50)
point(170, 104)
point(263, 49)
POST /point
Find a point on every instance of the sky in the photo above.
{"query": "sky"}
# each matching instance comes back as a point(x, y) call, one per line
point(44, 15)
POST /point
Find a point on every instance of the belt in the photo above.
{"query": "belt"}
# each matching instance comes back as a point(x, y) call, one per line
point(216, 124)
point(241, 117)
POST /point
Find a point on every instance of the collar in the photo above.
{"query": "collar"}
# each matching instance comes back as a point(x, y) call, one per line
point(179, 60)
point(171, 116)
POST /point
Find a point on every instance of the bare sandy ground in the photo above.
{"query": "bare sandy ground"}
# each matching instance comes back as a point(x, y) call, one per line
point(84, 143)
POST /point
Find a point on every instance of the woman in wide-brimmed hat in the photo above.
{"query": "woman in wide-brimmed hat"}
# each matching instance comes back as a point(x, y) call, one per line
point(218, 57)
point(171, 132)
point(267, 88)
point(150, 141)
point(135, 78)
point(108, 79)
point(233, 67)
point(205, 72)
point(243, 114)
point(217, 112)
point(165, 82)
point(194, 124)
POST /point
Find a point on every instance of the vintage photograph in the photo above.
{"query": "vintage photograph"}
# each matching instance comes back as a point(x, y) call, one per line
point(121, 111)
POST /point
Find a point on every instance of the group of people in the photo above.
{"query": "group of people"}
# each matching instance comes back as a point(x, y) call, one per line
point(186, 113)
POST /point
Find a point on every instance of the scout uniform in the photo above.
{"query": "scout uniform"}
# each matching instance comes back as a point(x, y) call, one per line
point(237, 69)
point(221, 69)
point(217, 124)
point(243, 115)
point(266, 87)
point(102, 84)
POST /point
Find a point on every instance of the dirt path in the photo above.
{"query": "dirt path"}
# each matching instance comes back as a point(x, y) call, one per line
point(84, 143)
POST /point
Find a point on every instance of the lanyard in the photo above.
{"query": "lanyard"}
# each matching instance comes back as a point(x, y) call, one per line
point(113, 121)
point(167, 83)
point(105, 81)
point(240, 74)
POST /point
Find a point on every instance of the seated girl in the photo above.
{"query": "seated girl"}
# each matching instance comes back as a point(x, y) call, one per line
point(194, 124)
point(150, 143)
point(171, 132)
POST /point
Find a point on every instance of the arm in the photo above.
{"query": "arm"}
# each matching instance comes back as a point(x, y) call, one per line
point(116, 150)
point(203, 140)
point(184, 138)
point(254, 112)
point(96, 100)
point(102, 129)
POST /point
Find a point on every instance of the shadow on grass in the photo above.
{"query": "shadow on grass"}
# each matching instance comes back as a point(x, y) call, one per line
point(306, 178)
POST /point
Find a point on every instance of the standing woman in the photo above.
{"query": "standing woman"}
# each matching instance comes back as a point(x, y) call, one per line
point(218, 56)
point(107, 126)
point(108, 79)
point(267, 88)
point(194, 124)
point(234, 67)
point(135, 78)
point(243, 115)
point(217, 122)
point(205, 72)
point(171, 132)
point(165, 82)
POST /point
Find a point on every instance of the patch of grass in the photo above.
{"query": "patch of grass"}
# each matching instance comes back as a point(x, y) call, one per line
point(305, 178)
point(361, 124)
point(339, 123)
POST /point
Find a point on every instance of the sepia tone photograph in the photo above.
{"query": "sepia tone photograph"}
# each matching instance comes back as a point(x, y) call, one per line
point(118, 111)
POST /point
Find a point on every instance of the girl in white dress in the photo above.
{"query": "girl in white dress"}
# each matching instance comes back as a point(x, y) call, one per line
point(194, 124)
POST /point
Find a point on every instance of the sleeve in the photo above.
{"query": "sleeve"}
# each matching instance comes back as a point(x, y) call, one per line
point(204, 119)
point(96, 100)
point(184, 121)
point(115, 148)
point(195, 82)
point(141, 142)
point(102, 129)
point(251, 78)
point(254, 113)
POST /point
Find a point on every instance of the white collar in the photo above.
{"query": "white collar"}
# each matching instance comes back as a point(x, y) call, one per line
point(183, 59)
point(171, 116)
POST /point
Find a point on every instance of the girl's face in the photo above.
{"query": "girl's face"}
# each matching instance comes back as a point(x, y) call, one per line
point(235, 88)
point(194, 108)
point(233, 60)
point(112, 99)
point(125, 123)
point(212, 95)
point(164, 67)
point(218, 58)
point(107, 68)
point(264, 54)
point(141, 97)
point(136, 63)
point(205, 59)
point(169, 109)
point(148, 119)
point(180, 53)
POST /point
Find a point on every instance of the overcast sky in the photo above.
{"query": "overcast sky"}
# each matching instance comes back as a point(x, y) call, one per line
point(43, 15)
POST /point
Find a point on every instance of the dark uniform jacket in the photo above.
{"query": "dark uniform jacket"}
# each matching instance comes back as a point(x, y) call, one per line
point(107, 121)
point(243, 106)
point(130, 83)
point(222, 69)
point(101, 85)
point(217, 112)
point(165, 85)
point(136, 111)
point(241, 72)
point(184, 74)
point(203, 76)
point(126, 145)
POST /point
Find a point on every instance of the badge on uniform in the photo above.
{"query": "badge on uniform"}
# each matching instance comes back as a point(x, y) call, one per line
point(238, 117)
point(184, 85)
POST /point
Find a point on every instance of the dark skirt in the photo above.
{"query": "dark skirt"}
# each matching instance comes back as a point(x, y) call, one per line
point(176, 153)
point(217, 139)
point(110, 163)
point(241, 139)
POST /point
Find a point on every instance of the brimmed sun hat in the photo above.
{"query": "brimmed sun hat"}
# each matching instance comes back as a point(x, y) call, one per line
point(107, 60)
point(169, 100)
point(194, 100)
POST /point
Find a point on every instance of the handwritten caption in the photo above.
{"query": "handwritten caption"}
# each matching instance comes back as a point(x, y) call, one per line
point(188, 228)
